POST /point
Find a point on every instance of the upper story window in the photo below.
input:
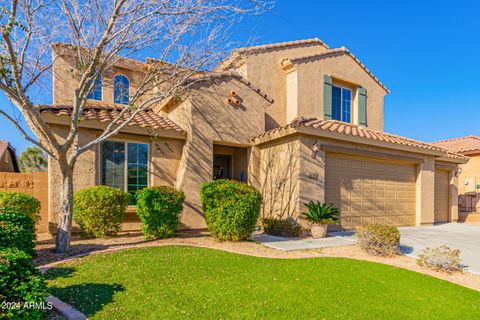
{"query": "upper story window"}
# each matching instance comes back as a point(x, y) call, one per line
point(121, 89)
point(341, 104)
point(96, 93)
point(124, 165)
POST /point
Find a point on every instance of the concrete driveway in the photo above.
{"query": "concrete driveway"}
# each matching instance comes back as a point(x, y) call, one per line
point(455, 235)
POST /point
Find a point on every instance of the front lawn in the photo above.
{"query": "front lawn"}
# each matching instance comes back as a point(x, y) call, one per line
point(195, 283)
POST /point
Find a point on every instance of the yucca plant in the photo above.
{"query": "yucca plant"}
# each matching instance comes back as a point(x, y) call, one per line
point(322, 213)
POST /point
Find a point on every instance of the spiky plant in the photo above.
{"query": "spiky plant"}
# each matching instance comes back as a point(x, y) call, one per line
point(322, 213)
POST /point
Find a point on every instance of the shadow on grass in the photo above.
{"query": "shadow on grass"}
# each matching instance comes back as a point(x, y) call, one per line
point(59, 272)
point(89, 298)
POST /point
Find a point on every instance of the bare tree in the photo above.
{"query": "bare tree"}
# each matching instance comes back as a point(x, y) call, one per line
point(185, 37)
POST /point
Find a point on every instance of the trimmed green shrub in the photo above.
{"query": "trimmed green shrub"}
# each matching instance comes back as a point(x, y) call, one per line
point(17, 230)
point(442, 258)
point(159, 209)
point(231, 208)
point(21, 202)
point(20, 282)
point(100, 210)
point(378, 239)
point(281, 227)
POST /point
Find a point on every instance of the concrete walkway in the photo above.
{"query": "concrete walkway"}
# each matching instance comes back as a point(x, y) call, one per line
point(413, 240)
point(455, 235)
point(292, 244)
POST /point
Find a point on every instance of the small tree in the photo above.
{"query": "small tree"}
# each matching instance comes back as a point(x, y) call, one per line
point(185, 36)
point(33, 159)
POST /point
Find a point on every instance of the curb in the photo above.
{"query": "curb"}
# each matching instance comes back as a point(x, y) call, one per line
point(64, 309)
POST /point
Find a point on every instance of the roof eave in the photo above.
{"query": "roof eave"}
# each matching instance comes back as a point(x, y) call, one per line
point(289, 130)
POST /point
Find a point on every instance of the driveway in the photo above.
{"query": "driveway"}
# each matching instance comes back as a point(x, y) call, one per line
point(455, 235)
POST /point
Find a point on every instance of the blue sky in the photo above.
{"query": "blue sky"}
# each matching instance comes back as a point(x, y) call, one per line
point(426, 53)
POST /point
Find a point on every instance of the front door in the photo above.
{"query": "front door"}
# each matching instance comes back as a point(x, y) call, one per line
point(222, 167)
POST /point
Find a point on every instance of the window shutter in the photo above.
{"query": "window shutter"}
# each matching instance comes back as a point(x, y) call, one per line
point(362, 106)
point(327, 97)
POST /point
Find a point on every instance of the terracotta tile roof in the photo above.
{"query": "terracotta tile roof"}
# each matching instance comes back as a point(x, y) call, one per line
point(347, 129)
point(280, 45)
point(210, 76)
point(332, 53)
point(463, 145)
point(106, 113)
point(233, 60)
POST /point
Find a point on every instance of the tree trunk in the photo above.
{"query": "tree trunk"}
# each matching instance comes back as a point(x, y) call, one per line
point(64, 227)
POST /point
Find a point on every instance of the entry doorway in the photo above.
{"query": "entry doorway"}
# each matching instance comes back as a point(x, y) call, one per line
point(230, 163)
point(222, 167)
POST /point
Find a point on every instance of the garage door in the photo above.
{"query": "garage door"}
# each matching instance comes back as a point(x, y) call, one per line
point(441, 196)
point(370, 191)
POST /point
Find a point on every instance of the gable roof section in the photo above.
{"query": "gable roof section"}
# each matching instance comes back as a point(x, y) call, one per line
point(233, 60)
point(339, 130)
point(334, 53)
point(462, 145)
point(212, 76)
point(106, 113)
point(5, 146)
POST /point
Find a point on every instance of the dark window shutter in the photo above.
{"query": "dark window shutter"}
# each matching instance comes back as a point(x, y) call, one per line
point(327, 97)
point(362, 106)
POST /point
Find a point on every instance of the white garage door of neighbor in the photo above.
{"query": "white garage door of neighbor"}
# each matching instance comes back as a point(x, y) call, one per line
point(371, 191)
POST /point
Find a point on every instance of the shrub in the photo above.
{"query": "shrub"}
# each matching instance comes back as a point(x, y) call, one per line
point(20, 282)
point(100, 210)
point(159, 209)
point(440, 258)
point(322, 213)
point(21, 202)
point(17, 231)
point(231, 208)
point(281, 227)
point(378, 239)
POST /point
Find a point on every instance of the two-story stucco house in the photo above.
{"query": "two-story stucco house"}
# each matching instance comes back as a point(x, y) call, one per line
point(309, 126)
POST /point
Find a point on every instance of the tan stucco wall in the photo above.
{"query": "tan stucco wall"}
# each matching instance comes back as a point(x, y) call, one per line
point(65, 81)
point(307, 175)
point(310, 75)
point(265, 71)
point(469, 172)
point(165, 154)
point(209, 121)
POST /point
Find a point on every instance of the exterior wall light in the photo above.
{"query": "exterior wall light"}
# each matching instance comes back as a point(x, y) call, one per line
point(315, 149)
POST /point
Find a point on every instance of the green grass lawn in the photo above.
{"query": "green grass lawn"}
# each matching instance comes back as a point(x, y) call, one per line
point(196, 283)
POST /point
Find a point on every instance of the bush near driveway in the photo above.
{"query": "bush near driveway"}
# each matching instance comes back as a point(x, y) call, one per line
point(231, 208)
point(20, 282)
point(441, 258)
point(159, 209)
point(288, 227)
point(100, 210)
point(21, 202)
point(378, 239)
point(17, 230)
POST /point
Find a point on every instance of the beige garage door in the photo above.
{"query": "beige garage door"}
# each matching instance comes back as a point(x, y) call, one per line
point(370, 191)
point(441, 196)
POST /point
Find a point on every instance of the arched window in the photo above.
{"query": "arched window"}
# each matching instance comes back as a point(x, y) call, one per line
point(121, 89)
point(96, 93)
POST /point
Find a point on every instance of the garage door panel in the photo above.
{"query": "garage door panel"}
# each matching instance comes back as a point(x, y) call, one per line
point(442, 186)
point(368, 191)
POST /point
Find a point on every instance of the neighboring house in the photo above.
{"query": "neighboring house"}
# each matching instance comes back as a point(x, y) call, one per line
point(469, 175)
point(8, 158)
point(309, 126)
